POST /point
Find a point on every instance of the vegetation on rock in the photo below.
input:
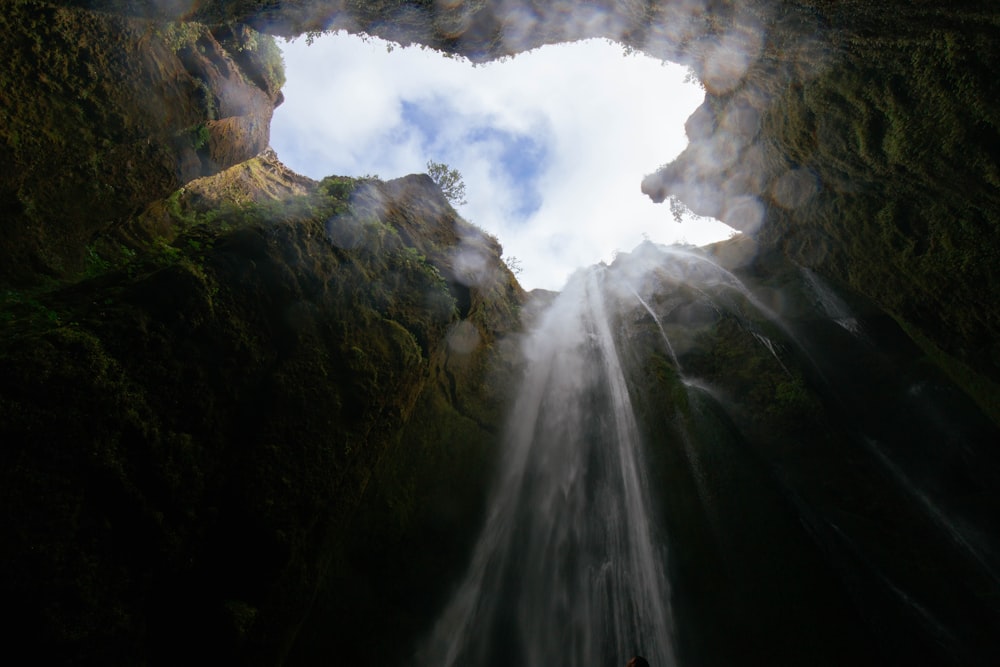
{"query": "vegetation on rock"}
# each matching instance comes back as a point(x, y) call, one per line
point(83, 145)
point(213, 406)
point(449, 180)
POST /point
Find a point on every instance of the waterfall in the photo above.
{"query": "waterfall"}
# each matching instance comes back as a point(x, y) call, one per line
point(702, 269)
point(783, 521)
point(567, 570)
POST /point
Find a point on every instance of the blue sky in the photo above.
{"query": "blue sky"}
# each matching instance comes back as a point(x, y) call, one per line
point(552, 144)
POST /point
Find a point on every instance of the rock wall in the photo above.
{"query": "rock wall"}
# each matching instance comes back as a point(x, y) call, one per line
point(103, 114)
point(860, 138)
point(826, 492)
point(865, 148)
point(190, 433)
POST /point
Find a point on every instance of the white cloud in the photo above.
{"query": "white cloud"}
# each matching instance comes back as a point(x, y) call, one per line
point(584, 122)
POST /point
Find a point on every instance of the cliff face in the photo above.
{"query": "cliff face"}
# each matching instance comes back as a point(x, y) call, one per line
point(820, 480)
point(230, 393)
point(103, 114)
point(869, 155)
point(860, 138)
point(857, 137)
point(189, 433)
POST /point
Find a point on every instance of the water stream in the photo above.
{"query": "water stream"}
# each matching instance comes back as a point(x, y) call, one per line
point(567, 570)
point(832, 305)
point(663, 334)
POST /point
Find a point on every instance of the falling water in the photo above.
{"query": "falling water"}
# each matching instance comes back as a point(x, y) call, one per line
point(719, 274)
point(769, 344)
point(831, 304)
point(663, 333)
point(566, 571)
point(924, 501)
point(927, 620)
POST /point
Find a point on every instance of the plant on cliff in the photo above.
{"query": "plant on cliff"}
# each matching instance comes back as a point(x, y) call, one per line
point(514, 264)
point(257, 53)
point(449, 180)
point(321, 326)
point(180, 35)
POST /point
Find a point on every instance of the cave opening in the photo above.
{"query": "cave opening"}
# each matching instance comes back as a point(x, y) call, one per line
point(552, 144)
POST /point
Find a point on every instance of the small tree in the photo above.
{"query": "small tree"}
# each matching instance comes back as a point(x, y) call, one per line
point(449, 180)
point(678, 209)
point(514, 264)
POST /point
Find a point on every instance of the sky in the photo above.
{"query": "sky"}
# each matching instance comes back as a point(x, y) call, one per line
point(552, 144)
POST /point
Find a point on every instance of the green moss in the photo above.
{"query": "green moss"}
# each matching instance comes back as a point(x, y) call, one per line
point(794, 400)
point(200, 135)
point(180, 35)
point(257, 53)
point(338, 187)
point(890, 117)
